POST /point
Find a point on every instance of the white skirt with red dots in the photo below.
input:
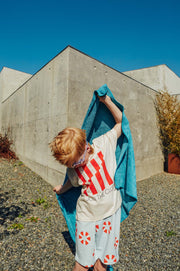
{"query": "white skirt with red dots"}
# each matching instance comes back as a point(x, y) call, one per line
point(98, 240)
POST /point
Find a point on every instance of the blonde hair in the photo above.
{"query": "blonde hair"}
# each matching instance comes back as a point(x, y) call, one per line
point(69, 145)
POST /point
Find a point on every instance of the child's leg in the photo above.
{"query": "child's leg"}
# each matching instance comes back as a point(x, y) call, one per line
point(99, 266)
point(79, 267)
point(85, 244)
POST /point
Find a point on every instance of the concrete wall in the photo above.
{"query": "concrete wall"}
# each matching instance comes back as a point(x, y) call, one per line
point(59, 95)
point(178, 97)
point(171, 81)
point(159, 77)
point(35, 113)
point(10, 80)
point(86, 75)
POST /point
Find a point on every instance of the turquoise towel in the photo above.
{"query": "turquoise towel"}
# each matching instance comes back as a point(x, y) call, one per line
point(98, 121)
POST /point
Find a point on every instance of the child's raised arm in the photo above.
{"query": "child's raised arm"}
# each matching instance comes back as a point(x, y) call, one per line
point(115, 111)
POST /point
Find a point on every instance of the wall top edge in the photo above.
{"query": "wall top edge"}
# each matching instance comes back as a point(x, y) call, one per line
point(34, 73)
point(144, 68)
point(7, 68)
point(151, 67)
point(73, 48)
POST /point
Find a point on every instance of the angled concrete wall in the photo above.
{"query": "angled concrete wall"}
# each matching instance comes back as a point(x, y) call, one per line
point(35, 113)
point(171, 81)
point(159, 77)
point(10, 80)
point(59, 95)
point(87, 74)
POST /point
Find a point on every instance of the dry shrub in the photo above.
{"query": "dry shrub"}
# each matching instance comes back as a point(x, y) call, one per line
point(5, 150)
point(168, 115)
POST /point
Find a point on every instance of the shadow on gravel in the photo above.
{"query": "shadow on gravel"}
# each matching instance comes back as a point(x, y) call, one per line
point(6, 233)
point(69, 241)
point(9, 213)
point(3, 197)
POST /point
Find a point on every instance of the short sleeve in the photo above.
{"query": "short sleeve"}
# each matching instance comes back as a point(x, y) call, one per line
point(72, 176)
point(109, 139)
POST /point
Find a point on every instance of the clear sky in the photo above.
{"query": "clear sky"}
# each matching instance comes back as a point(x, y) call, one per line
point(123, 34)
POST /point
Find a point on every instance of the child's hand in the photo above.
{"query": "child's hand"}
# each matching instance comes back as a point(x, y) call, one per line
point(104, 99)
point(58, 189)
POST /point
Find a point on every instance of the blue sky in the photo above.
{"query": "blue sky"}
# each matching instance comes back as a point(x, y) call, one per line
point(125, 35)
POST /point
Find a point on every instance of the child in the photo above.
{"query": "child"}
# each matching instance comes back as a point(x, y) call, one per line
point(98, 209)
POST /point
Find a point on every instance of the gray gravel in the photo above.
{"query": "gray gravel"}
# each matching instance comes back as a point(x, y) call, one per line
point(34, 235)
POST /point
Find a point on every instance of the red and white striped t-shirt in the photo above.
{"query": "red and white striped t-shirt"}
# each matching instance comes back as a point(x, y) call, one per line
point(99, 198)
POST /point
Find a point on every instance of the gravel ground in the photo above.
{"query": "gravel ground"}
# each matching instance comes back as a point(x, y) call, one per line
point(34, 235)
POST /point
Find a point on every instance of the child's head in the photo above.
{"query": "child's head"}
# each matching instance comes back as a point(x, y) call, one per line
point(69, 145)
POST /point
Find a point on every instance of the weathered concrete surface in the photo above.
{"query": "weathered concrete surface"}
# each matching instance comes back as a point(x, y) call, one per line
point(35, 113)
point(159, 77)
point(10, 80)
point(59, 95)
point(86, 75)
